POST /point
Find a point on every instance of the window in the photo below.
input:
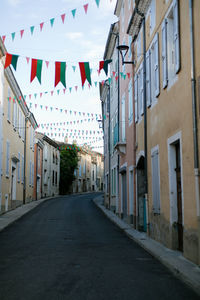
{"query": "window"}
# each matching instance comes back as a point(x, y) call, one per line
point(22, 170)
point(136, 96)
point(123, 118)
point(56, 179)
point(18, 168)
point(130, 102)
point(140, 91)
point(139, 46)
point(9, 104)
point(80, 170)
point(7, 157)
point(122, 15)
point(152, 15)
point(155, 180)
point(53, 178)
point(152, 72)
point(129, 44)
point(170, 46)
point(30, 172)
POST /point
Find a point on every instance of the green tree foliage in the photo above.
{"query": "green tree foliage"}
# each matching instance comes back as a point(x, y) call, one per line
point(68, 163)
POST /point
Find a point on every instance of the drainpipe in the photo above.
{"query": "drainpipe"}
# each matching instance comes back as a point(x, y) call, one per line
point(118, 117)
point(109, 158)
point(145, 126)
point(194, 114)
point(24, 187)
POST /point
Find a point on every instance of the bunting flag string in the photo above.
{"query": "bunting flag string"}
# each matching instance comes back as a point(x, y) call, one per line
point(51, 22)
point(60, 69)
point(75, 131)
point(47, 125)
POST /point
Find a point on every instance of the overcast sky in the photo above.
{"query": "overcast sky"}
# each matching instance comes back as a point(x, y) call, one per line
point(82, 38)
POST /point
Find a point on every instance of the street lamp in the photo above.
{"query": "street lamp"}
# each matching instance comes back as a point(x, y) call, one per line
point(123, 49)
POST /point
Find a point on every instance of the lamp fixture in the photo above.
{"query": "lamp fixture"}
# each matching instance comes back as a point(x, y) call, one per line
point(123, 49)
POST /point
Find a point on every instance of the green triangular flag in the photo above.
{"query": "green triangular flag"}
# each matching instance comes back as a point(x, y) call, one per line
point(73, 12)
point(97, 2)
point(32, 29)
point(52, 21)
point(35, 95)
point(13, 36)
point(58, 91)
point(95, 83)
point(70, 89)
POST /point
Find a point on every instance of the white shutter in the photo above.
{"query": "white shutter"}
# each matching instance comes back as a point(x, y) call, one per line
point(155, 182)
point(7, 157)
point(30, 173)
point(16, 114)
point(164, 54)
point(156, 68)
point(176, 34)
point(148, 78)
point(130, 92)
point(22, 169)
point(141, 91)
point(18, 169)
point(13, 115)
point(136, 96)
point(19, 122)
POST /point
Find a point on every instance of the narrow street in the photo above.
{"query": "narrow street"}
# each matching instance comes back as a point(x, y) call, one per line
point(67, 249)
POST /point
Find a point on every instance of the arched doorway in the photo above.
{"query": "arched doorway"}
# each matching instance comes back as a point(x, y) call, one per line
point(141, 207)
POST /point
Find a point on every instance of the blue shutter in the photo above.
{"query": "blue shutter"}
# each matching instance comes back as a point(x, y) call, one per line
point(176, 35)
point(155, 182)
point(148, 78)
point(164, 54)
point(141, 90)
point(156, 67)
point(136, 97)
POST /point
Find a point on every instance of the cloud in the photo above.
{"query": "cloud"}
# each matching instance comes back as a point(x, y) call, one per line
point(74, 35)
point(14, 2)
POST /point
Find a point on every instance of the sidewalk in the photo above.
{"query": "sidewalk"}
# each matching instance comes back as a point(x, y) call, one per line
point(173, 260)
point(13, 215)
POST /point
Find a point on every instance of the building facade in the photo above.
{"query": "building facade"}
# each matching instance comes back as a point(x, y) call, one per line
point(17, 127)
point(89, 175)
point(158, 151)
point(48, 166)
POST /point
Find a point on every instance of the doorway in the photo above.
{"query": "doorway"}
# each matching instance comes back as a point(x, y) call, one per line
point(141, 223)
point(176, 199)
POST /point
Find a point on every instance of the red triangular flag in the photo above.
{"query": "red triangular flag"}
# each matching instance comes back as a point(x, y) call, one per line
point(63, 18)
point(85, 8)
point(27, 59)
point(64, 90)
point(40, 95)
point(51, 93)
point(3, 38)
point(47, 63)
point(41, 26)
point(21, 32)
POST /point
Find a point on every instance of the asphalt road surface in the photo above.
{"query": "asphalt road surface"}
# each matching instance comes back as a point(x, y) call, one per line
point(67, 249)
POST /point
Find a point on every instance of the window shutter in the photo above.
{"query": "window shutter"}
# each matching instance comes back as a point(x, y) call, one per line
point(22, 169)
point(16, 114)
point(18, 170)
point(136, 97)
point(164, 54)
point(13, 119)
point(141, 90)
point(155, 182)
point(176, 35)
point(148, 78)
point(130, 102)
point(30, 173)
point(7, 157)
point(157, 81)
point(19, 122)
